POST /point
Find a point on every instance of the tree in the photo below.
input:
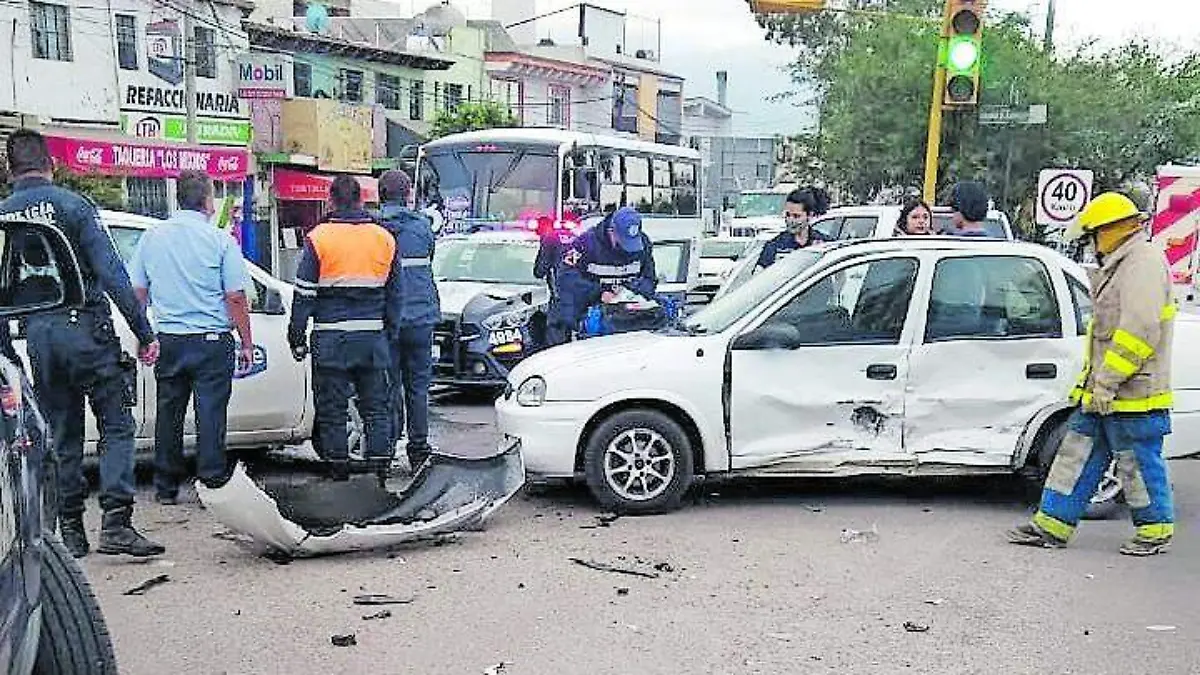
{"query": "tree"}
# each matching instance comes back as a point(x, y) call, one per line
point(1120, 112)
point(106, 191)
point(472, 117)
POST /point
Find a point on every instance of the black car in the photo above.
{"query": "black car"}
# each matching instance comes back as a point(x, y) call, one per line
point(50, 622)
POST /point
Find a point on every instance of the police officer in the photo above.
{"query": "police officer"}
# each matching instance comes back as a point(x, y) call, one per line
point(76, 354)
point(597, 266)
point(552, 242)
point(798, 211)
point(348, 283)
point(418, 313)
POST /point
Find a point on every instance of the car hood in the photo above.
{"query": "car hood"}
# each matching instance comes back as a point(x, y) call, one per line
point(715, 267)
point(456, 295)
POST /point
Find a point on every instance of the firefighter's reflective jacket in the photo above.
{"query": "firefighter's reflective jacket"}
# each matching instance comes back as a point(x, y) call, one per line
point(1129, 337)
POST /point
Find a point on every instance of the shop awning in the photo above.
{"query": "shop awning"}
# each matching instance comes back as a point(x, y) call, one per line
point(294, 185)
point(142, 159)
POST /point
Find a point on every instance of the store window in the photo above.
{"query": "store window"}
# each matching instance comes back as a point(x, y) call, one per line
point(387, 91)
point(148, 197)
point(302, 75)
point(352, 82)
point(511, 94)
point(558, 113)
point(416, 100)
point(127, 51)
point(51, 26)
point(206, 53)
point(625, 108)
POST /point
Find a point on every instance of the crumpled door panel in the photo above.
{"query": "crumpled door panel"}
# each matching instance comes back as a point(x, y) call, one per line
point(300, 515)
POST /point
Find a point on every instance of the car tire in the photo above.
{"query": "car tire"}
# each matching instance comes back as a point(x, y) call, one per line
point(1107, 503)
point(665, 450)
point(74, 637)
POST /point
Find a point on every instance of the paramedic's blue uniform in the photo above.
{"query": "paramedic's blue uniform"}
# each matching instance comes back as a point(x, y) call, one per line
point(592, 265)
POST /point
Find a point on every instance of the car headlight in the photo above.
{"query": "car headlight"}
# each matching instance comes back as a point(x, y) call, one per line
point(532, 392)
point(514, 319)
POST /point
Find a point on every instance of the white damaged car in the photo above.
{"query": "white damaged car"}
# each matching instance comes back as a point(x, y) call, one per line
point(915, 357)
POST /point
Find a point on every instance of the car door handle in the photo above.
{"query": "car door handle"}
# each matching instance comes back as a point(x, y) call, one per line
point(881, 372)
point(1041, 371)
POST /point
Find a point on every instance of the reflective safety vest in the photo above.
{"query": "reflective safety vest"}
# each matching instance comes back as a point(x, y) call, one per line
point(1129, 338)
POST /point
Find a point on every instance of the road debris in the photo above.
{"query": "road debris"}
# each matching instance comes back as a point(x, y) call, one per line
point(665, 568)
point(141, 588)
point(1161, 629)
point(622, 591)
point(935, 601)
point(850, 536)
point(385, 614)
point(497, 669)
point(912, 627)
point(612, 569)
point(379, 599)
point(602, 520)
point(782, 637)
point(349, 640)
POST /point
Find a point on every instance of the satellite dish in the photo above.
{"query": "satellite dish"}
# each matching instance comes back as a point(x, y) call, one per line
point(439, 20)
point(316, 18)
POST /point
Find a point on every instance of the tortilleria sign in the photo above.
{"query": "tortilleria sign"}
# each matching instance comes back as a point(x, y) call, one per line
point(144, 160)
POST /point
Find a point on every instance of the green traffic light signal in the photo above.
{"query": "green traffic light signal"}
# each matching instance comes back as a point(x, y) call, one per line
point(963, 54)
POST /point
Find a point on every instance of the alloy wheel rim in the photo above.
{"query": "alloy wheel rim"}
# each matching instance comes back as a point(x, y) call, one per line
point(639, 465)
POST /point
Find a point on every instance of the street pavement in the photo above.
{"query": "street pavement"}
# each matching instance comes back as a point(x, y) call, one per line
point(811, 577)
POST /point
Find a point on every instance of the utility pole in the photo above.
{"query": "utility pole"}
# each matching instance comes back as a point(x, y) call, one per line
point(189, 73)
point(1048, 43)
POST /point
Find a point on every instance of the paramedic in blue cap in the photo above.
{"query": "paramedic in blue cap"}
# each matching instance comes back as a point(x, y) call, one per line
point(613, 255)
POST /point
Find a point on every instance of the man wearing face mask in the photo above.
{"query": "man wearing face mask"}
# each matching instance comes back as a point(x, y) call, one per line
point(1124, 391)
point(801, 207)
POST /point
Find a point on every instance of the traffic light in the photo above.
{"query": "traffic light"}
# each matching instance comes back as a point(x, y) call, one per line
point(786, 6)
point(963, 51)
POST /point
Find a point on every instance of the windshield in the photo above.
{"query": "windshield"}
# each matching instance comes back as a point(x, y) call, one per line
point(496, 262)
point(730, 249)
point(994, 228)
point(722, 312)
point(670, 261)
point(492, 183)
point(126, 239)
point(756, 205)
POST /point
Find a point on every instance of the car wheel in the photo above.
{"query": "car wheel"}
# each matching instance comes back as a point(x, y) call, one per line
point(74, 637)
point(1105, 504)
point(639, 462)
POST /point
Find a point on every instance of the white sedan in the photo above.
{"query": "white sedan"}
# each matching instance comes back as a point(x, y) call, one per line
point(914, 357)
point(272, 405)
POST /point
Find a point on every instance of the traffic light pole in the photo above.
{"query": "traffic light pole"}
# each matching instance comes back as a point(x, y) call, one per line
point(933, 145)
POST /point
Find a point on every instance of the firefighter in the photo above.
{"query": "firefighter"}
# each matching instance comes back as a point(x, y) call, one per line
point(600, 263)
point(798, 211)
point(348, 283)
point(76, 355)
point(1124, 391)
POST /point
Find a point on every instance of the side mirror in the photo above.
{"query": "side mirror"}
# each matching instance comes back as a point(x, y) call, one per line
point(273, 303)
point(771, 335)
point(39, 270)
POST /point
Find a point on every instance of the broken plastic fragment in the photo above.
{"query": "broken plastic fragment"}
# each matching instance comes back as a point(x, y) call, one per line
point(344, 640)
point(141, 588)
point(850, 536)
point(915, 627)
point(302, 516)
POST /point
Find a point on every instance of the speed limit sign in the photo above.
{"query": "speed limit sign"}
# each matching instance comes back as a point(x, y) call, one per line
point(1062, 194)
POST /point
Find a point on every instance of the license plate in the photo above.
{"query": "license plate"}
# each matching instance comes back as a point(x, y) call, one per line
point(437, 352)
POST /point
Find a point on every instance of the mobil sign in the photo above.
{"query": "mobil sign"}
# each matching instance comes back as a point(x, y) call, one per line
point(264, 76)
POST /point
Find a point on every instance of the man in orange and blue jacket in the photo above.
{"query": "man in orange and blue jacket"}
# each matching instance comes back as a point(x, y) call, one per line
point(348, 283)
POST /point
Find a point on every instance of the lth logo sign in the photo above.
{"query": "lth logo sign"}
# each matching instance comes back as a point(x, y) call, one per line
point(164, 51)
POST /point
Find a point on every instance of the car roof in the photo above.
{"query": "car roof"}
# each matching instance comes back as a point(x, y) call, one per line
point(125, 219)
point(846, 249)
point(864, 210)
point(497, 236)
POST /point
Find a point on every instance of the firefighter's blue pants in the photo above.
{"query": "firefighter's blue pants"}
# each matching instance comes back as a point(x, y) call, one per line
point(1092, 442)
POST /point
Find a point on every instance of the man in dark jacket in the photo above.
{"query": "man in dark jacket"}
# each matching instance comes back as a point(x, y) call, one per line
point(798, 211)
point(348, 283)
point(417, 314)
point(612, 256)
point(76, 354)
point(970, 204)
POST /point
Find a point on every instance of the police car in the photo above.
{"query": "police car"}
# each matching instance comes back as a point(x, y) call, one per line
point(493, 307)
point(271, 403)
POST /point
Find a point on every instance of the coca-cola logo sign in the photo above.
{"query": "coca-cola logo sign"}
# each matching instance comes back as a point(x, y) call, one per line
point(89, 156)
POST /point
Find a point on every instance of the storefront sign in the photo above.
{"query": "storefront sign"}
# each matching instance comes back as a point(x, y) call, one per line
point(314, 187)
point(263, 76)
point(209, 131)
point(174, 100)
point(164, 51)
point(145, 160)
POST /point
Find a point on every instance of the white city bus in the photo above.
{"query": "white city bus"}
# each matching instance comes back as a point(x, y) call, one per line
point(528, 176)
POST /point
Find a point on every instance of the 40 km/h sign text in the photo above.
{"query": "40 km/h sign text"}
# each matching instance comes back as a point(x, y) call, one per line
point(1062, 194)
